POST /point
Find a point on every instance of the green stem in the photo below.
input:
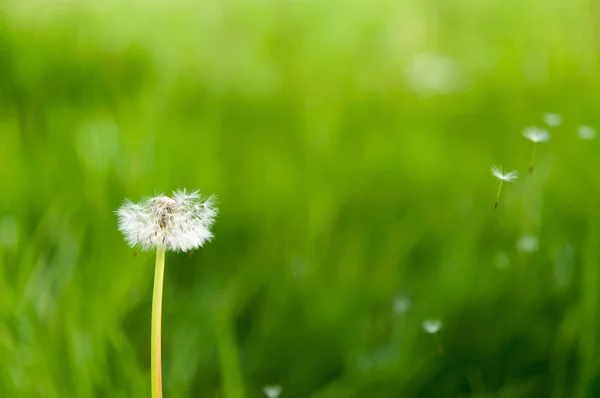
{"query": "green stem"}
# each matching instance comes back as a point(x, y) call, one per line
point(498, 196)
point(532, 157)
point(156, 363)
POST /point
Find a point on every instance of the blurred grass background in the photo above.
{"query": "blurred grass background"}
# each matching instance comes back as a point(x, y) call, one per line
point(349, 144)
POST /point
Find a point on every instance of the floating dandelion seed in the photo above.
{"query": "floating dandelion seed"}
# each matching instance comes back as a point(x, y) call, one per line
point(528, 244)
point(552, 119)
point(499, 174)
point(586, 132)
point(401, 305)
point(272, 391)
point(433, 326)
point(181, 223)
point(535, 135)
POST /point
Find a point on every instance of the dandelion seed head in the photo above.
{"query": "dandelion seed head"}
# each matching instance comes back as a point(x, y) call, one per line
point(272, 391)
point(536, 134)
point(499, 174)
point(180, 223)
point(432, 326)
point(586, 132)
point(552, 119)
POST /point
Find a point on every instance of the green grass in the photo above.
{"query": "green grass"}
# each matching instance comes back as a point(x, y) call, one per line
point(340, 189)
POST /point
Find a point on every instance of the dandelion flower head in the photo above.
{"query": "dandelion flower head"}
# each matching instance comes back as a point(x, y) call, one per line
point(180, 223)
point(499, 174)
point(536, 134)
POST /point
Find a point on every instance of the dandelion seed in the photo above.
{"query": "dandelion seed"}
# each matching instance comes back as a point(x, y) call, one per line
point(586, 132)
point(401, 305)
point(535, 135)
point(499, 174)
point(272, 391)
point(552, 119)
point(528, 244)
point(433, 326)
point(181, 223)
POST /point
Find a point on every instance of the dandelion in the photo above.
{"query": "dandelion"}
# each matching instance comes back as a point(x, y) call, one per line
point(272, 391)
point(528, 244)
point(499, 174)
point(161, 223)
point(401, 305)
point(586, 132)
point(535, 135)
point(552, 119)
point(432, 327)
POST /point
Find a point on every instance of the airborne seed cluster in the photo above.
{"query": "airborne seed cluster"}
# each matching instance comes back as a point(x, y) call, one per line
point(537, 135)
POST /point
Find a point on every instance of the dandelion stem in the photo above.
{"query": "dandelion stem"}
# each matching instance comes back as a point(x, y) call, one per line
point(498, 196)
point(156, 363)
point(532, 157)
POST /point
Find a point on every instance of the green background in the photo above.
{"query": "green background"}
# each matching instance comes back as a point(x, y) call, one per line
point(349, 144)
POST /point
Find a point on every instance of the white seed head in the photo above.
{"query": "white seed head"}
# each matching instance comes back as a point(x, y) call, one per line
point(552, 119)
point(272, 391)
point(181, 223)
point(586, 132)
point(432, 326)
point(536, 134)
point(499, 174)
